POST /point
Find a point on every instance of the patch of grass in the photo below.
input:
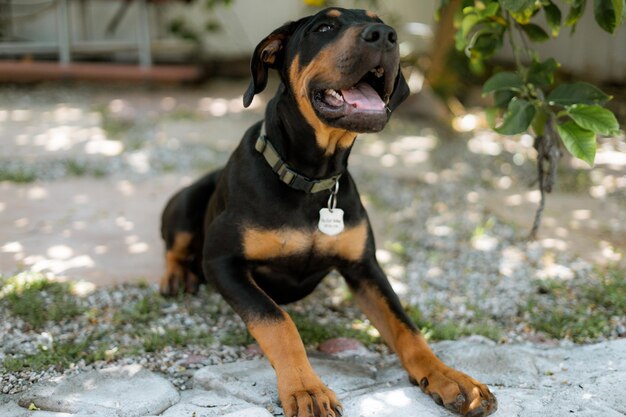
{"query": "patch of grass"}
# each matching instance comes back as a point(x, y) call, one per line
point(61, 355)
point(76, 168)
point(113, 127)
point(183, 113)
point(482, 229)
point(573, 180)
point(313, 332)
point(19, 174)
point(154, 341)
point(453, 330)
point(239, 337)
point(581, 312)
point(142, 311)
point(38, 300)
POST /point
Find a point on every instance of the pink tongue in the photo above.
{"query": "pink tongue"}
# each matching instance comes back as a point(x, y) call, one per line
point(363, 97)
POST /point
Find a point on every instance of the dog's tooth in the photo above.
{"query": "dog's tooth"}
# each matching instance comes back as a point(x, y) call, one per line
point(335, 94)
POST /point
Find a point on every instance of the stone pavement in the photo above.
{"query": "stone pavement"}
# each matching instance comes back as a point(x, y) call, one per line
point(529, 381)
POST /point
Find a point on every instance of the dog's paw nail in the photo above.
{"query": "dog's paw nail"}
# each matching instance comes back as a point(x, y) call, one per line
point(424, 383)
point(339, 410)
point(437, 398)
point(456, 404)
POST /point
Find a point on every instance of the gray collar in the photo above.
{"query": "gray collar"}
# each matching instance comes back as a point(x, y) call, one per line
point(284, 171)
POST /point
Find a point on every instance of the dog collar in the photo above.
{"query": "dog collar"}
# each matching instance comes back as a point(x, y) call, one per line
point(284, 171)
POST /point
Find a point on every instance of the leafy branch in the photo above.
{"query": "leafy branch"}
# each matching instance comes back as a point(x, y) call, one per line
point(528, 99)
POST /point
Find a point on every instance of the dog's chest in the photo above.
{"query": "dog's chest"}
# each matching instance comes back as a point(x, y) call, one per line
point(266, 244)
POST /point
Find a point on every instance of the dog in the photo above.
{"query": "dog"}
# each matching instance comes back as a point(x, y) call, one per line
point(284, 211)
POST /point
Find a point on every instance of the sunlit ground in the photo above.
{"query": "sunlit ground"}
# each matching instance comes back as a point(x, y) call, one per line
point(86, 171)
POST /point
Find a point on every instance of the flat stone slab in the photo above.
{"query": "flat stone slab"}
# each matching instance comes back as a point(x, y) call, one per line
point(210, 404)
point(529, 381)
point(127, 391)
point(398, 401)
point(504, 365)
point(255, 380)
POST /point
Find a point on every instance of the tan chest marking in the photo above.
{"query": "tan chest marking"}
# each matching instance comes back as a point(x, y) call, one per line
point(263, 244)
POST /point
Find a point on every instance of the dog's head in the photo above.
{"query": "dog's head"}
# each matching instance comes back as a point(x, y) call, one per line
point(342, 67)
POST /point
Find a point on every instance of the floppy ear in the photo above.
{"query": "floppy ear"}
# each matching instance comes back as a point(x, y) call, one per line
point(400, 92)
point(269, 53)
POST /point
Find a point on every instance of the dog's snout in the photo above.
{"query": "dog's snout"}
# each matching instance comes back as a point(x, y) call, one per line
point(380, 36)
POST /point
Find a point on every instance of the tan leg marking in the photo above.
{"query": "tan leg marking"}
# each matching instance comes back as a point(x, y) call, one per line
point(447, 386)
point(176, 275)
point(301, 392)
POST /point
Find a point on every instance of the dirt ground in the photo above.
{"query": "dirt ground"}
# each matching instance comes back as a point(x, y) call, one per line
point(88, 169)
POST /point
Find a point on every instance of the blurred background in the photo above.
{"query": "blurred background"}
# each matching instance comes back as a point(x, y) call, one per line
point(208, 33)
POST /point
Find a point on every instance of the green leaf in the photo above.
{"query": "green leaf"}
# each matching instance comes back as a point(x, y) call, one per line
point(618, 6)
point(490, 10)
point(575, 13)
point(503, 81)
point(541, 74)
point(517, 5)
point(553, 17)
point(468, 23)
point(577, 93)
point(502, 98)
point(594, 118)
point(580, 142)
point(535, 32)
point(539, 122)
point(517, 118)
point(490, 115)
point(606, 15)
point(523, 17)
point(486, 42)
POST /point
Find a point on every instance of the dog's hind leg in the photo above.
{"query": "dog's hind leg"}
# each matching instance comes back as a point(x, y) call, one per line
point(182, 225)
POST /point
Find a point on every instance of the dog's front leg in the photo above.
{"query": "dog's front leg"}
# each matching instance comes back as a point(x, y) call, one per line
point(448, 387)
point(301, 391)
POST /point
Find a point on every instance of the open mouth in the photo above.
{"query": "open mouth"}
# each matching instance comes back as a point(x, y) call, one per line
point(366, 95)
point(360, 107)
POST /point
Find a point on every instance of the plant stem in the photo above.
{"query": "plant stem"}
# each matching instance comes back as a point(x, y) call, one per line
point(548, 152)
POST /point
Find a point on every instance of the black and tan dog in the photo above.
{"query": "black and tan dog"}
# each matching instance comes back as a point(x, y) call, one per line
point(284, 211)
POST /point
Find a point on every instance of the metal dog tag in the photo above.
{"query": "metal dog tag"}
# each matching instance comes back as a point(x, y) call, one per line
point(331, 221)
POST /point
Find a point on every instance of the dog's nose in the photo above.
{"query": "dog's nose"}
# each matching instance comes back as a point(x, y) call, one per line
point(380, 36)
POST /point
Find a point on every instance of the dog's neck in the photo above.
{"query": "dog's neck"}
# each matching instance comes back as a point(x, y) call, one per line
point(296, 142)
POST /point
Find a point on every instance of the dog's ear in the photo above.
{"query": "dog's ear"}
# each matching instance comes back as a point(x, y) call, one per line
point(400, 92)
point(269, 53)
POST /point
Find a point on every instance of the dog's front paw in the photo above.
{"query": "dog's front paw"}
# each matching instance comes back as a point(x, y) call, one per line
point(458, 392)
point(312, 401)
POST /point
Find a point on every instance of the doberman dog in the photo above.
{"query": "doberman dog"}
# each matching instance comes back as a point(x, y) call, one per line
point(284, 211)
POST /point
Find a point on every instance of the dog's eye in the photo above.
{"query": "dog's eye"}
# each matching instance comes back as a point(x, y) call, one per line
point(324, 27)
